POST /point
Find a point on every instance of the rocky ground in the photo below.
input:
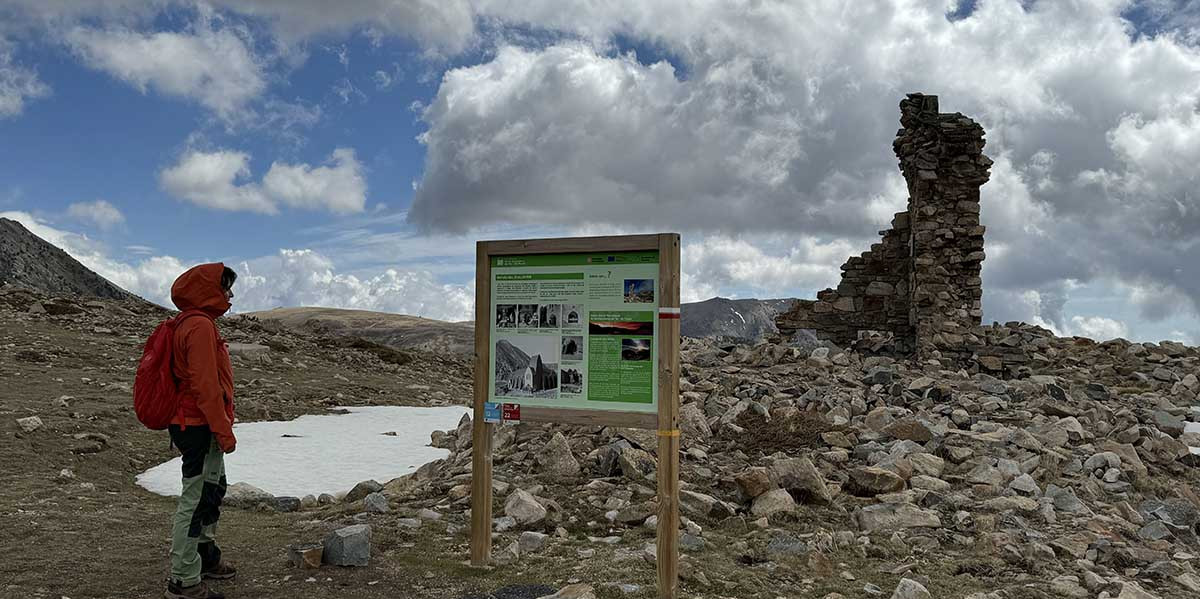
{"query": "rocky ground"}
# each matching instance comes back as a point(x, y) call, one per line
point(806, 473)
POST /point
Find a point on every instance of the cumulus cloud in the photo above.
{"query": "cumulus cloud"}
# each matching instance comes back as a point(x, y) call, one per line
point(339, 187)
point(214, 67)
point(308, 278)
point(779, 120)
point(18, 84)
point(723, 263)
point(1099, 328)
point(210, 179)
point(219, 180)
point(99, 213)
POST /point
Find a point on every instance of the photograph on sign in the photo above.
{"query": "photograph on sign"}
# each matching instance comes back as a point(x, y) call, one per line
point(575, 330)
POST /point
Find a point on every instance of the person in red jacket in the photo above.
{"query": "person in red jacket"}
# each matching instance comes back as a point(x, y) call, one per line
point(202, 429)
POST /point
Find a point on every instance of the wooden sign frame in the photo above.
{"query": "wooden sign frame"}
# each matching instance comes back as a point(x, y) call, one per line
point(665, 421)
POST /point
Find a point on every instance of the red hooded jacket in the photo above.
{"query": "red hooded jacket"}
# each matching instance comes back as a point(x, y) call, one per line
point(201, 358)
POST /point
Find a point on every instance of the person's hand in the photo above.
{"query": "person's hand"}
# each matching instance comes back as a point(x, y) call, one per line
point(228, 444)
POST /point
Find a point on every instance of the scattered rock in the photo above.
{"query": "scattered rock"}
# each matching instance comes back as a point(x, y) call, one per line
point(349, 546)
point(29, 424)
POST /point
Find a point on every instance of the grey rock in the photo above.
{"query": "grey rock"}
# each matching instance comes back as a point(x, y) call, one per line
point(556, 458)
point(889, 516)
point(773, 502)
point(375, 503)
point(910, 589)
point(531, 542)
point(1025, 485)
point(1169, 424)
point(29, 424)
point(286, 504)
point(361, 490)
point(637, 464)
point(245, 495)
point(786, 544)
point(800, 476)
point(524, 508)
point(349, 546)
point(1154, 531)
point(693, 425)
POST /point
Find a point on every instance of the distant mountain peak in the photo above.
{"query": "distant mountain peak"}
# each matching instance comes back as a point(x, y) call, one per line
point(27, 260)
point(745, 319)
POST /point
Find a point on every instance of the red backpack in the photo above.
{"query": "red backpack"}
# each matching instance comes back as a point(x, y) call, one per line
point(155, 396)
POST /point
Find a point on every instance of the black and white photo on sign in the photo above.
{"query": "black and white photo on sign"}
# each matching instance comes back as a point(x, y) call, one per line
point(572, 348)
point(573, 316)
point(527, 316)
point(572, 381)
point(639, 291)
point(635, 350)
point(526, 366)
point(506, 316)
point(549, 316)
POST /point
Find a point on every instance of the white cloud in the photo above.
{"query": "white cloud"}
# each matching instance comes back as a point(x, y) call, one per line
point(210, 179)
point(218, 180)
point(308, 278)
point(18, 84)
point(1099, 328)
point(100, 213)
point(778, 117)
point(443, 26)
point(727, 263)
point(339, 187)
point(215, 67)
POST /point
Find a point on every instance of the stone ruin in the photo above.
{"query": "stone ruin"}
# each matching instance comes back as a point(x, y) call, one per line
point(921, 282)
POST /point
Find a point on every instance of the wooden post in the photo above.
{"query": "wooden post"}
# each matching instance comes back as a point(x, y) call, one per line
point(481, 432)
point(668, 411)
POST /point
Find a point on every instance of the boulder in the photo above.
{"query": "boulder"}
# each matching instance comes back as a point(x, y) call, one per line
point(29, 424)
point(349, 546)
point(375, 503)
point(773, 502)
point(753, 482)
point(531, 542)
point(245, 495)
point(556, 459)
point(869, 481)
point(524, 508)
point(361, 490)
point(637, 464)
point(890, 516)
point(801, 477)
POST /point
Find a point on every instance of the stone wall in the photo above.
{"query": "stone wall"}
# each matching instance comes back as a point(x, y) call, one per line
point(921, 282)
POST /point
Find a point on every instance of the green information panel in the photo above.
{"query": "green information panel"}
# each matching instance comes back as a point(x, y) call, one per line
point(575, 331)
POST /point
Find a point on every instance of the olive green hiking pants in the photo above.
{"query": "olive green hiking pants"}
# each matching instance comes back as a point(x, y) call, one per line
point(194, 528)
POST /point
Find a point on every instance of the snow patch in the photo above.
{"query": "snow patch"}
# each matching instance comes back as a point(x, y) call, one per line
point(739, 315)
point(324, 453)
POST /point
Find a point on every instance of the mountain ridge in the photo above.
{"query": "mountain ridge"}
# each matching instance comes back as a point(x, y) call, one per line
point(27, 260)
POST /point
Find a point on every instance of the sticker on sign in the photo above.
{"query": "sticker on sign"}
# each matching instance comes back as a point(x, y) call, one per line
point(491, 412)
point(512, 412)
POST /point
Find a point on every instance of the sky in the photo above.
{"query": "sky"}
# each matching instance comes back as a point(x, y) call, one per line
point(353, 157)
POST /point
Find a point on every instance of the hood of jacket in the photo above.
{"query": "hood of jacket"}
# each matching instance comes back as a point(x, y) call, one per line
point(200, 289)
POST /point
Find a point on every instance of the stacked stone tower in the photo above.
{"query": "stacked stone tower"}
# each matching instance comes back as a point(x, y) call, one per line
point(921, 282)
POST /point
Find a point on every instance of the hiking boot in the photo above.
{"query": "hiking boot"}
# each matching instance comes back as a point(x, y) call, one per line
point(196, 591)
point(222, 571)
